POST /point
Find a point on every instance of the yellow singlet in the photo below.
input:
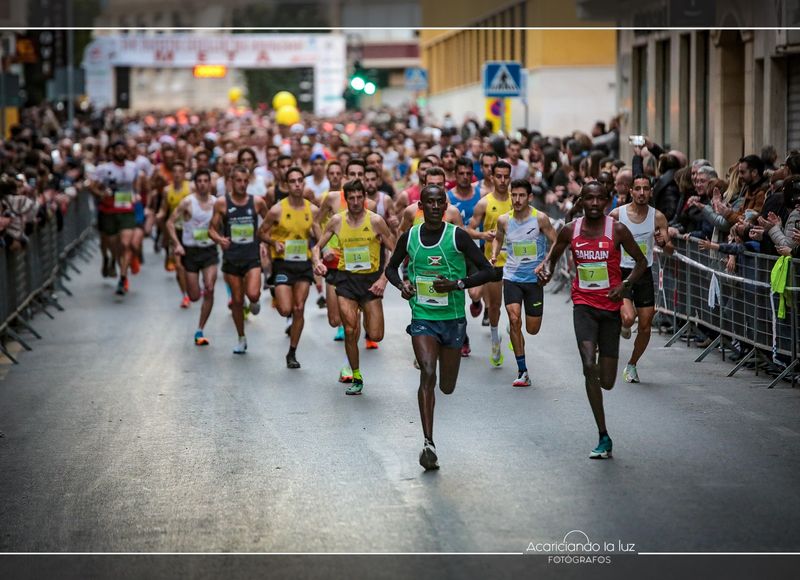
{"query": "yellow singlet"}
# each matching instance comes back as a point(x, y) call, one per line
point(360, 247)
point(294, 230)
point(494, 209)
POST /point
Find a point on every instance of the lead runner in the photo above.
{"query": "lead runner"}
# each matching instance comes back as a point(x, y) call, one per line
point(597, 292)
point(437, 277)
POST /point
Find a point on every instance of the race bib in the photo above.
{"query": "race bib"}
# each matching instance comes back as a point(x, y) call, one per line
point(357, 259)
point(200, 235)
point(525, 250)
point(593, 276)
point(242, 233)
point(427, 296)
point(295, 250)
point(642, 247)
point(123, 199)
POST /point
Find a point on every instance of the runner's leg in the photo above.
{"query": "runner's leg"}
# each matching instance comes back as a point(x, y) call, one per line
point(236, 284)
point(252, 284)
point(299, 296)
point(642, 333)
point(373, 320)
point(209, 281)
point(349, 314)
point(426, 350)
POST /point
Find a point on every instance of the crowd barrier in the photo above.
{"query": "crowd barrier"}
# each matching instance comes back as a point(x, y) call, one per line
point(29, 278)
point(737, 309)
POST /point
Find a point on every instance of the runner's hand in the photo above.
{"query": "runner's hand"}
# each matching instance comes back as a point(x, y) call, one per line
point(407, 290)
point(225, 244)
point(616, 293)
point(442, 284)
point(320, 269)
point(543, 273)
point(279, 247)
point(379, 286)
point(489, 236)
point(179, 251)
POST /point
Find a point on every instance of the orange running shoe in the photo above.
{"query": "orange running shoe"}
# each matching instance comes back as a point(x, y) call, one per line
point(126, 285)
point(185, 302)
point(371, 344)
point(170, 265)
point(136, 265)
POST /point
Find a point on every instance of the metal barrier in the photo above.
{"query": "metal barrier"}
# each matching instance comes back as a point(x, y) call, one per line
point(697, 291)
point(28, 278)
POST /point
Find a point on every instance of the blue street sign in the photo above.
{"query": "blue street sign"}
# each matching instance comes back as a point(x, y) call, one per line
point(502, 79)
point(416, 79)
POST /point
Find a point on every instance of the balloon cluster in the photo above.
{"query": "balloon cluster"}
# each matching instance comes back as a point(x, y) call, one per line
point(285, 106)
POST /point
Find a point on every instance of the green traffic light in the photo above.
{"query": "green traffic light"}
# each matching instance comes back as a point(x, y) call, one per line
point(357, 83)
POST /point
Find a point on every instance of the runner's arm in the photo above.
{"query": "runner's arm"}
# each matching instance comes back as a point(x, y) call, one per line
point(466, 245)
point(453, 216)
point(220, 207)
point(547, 228)
point(499, 238)
point(624, 237)
point(396, 260)
point(181, 210)
point(545, 269)
point(408, 219)
point(477, 218)
point(326, 236)
point(265, 231)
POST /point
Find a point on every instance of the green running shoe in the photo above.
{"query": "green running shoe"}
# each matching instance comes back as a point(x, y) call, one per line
point(603, 449)
point(346, 374)
point(497, 355)
point(630, 375)
point(355, 388)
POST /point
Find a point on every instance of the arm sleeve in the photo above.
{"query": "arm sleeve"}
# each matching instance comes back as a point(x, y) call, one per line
point(392, 268)
point(734, 249)
point(715, 219)
point(472, 253)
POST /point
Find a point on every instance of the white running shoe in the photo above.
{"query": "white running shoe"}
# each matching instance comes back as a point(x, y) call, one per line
point(241, 346)
point(523, 380)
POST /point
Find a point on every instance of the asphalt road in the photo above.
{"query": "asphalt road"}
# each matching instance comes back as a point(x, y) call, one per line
point(118, 434)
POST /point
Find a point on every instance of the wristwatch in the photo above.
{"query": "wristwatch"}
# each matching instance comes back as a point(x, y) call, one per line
point(460, 284)
point(627, 284)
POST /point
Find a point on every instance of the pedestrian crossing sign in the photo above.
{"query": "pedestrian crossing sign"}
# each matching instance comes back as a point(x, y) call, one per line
point(502, 79)
point(416, 79)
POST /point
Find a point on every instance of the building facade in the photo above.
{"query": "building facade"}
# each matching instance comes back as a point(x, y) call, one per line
point(571, 74)
point(715, 94)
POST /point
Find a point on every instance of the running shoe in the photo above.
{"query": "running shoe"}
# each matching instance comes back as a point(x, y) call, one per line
point(339, 334)
point(170, 265)
point(241, 346)
point(523, 380)
point(485, 321)
point(291, 362)
point(126, 285)
point(255, 308)
point(497, 354)
point(136, 265)
point(475, 309)
point(321, 302)
point(355, 388)
point(603, 449)
point(199, 339)
point(625, 333)
point(371, 344)
point(427, 457)
point(120, 287)
point(465, 350)
point(630, 375)
point(346, 374)
point(185, 302)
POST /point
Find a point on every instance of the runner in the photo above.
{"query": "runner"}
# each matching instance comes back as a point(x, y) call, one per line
point(449, 157)
point(597, 291)
point(413, 214)
point(317, 181)
point(486, 185)
point(173, 195)
point(359, 277)
point(114, 185)
point(333, 202)
point(196, 250)
point(234, 228)
point(648, 227)
point(410, 195)
point(464, 197)
point(482, 227)
point(383, 203)
point(523, 234)
point(288, 229)
point(438, 254)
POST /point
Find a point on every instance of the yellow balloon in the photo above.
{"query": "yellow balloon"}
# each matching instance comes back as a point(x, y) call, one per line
point(234, 94)
point(287, 115)
point(283, 98)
